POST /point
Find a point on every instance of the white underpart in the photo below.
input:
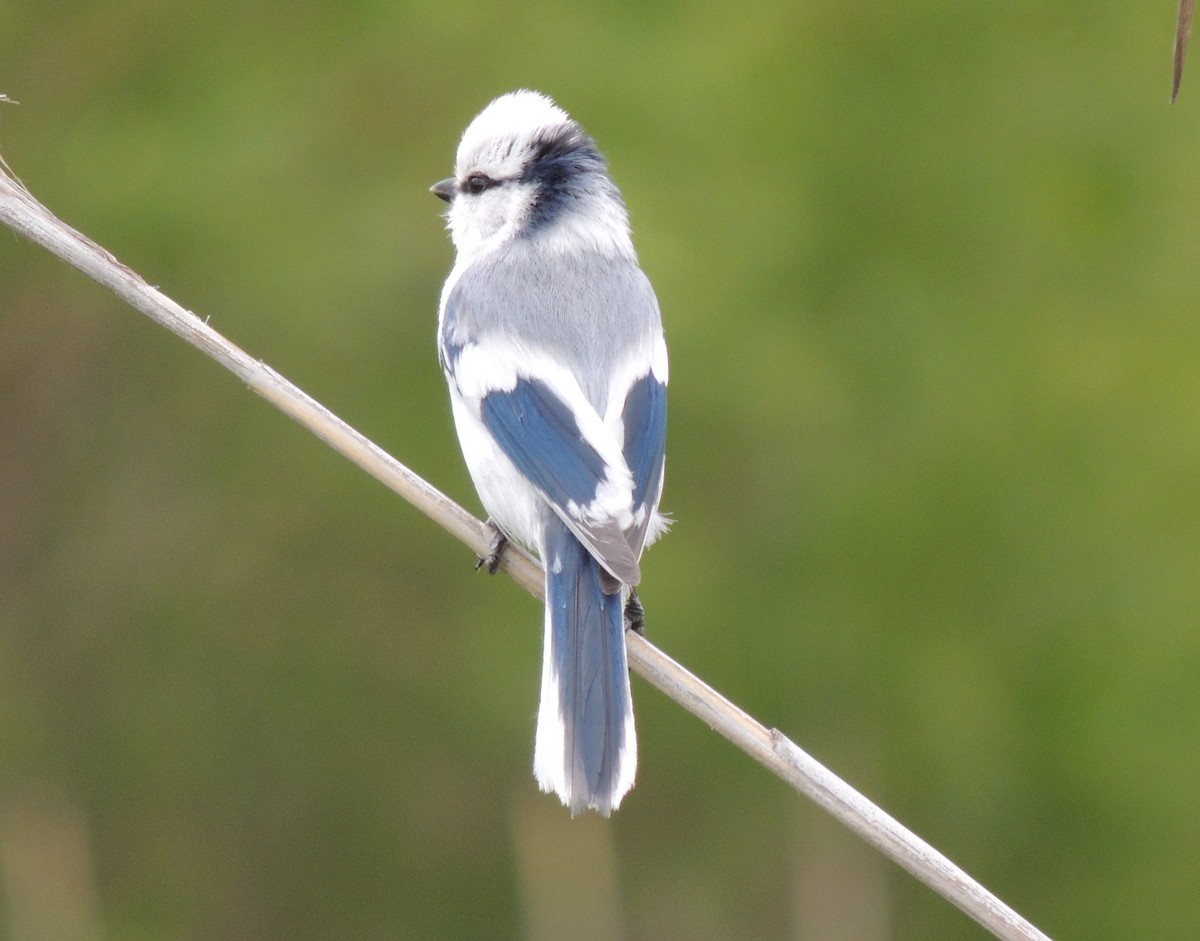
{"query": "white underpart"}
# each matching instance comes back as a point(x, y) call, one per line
point(512, 502)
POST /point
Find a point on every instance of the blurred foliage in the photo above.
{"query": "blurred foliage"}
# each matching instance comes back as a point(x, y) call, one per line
point(929, 272)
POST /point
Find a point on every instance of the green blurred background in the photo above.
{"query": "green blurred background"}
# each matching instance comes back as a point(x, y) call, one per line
point(929, 274)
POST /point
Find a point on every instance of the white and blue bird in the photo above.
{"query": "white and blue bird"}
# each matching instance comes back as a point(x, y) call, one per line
point(552, 344)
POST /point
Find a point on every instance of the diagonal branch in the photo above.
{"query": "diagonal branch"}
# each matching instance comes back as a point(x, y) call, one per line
point(20, 211)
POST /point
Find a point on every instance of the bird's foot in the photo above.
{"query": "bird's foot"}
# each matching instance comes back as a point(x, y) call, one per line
point(635, 615)
point(499, 543)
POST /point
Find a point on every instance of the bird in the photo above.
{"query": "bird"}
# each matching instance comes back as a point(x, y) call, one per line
point(552, 344)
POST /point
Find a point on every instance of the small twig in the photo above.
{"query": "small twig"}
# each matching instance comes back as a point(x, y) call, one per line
point(25, 215)
point(1183, 32)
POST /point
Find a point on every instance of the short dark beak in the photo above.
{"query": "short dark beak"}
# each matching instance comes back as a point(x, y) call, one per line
point(445, 189)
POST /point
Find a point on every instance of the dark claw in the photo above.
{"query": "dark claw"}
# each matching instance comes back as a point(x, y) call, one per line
point(499, 543)
point(635, 615)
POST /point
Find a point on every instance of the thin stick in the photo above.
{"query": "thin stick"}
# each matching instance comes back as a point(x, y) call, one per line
point(25, 215)
point(1183, 32)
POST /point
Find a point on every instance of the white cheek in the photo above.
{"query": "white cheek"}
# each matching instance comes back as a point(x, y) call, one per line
point(479, 221)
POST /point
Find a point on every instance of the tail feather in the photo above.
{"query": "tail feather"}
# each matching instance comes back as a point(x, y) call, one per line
point(586, 750)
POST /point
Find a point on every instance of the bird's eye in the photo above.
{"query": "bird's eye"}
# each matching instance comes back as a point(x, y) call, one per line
point(476, 183)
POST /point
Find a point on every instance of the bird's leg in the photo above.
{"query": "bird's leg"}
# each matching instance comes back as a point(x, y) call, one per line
point(635, 615)
point(499, 543)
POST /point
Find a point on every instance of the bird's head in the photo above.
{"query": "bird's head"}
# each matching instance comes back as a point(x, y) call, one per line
point(526, 170)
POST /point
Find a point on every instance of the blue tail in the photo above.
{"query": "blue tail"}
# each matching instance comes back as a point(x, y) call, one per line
point(586, 751)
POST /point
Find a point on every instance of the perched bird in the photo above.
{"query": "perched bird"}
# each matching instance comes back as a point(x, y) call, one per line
point(552, 344)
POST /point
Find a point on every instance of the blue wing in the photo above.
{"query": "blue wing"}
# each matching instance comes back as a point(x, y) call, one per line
point(541, 436)
point(645, 420)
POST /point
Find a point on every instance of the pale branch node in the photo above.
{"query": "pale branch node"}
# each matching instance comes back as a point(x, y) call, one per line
point(26, 216)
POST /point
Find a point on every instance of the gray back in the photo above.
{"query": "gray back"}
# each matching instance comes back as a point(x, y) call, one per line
point(590, 315)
